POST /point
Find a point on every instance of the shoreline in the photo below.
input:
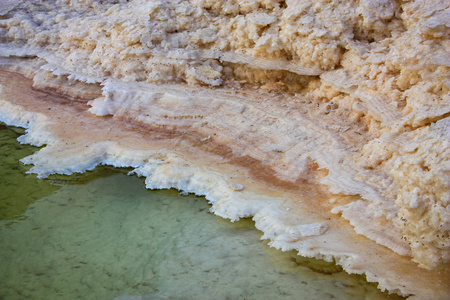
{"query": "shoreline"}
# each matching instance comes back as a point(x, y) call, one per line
point(168, 162)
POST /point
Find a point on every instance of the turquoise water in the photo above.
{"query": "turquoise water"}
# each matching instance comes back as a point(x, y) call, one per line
point(102, 235)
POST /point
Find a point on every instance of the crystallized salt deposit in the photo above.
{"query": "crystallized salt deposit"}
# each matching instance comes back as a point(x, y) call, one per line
point(326, 121)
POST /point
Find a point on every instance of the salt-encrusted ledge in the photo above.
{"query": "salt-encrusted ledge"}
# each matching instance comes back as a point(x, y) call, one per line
point(291, 216)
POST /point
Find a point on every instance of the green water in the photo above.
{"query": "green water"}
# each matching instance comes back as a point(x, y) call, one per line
point(17, 190)
point(101, 235)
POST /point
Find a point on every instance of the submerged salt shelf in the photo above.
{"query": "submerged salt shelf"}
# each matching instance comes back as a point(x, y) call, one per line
point(101, 235)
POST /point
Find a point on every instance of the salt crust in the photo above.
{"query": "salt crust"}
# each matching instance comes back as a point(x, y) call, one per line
point(152, 105)
point(166, 170)
point(287, 228)
point(392, 79)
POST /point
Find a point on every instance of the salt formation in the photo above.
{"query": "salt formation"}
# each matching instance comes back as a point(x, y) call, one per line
point(326, 121)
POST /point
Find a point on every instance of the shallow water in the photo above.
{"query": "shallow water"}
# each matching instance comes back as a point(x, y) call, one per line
point(102, 235)
point(17, 189)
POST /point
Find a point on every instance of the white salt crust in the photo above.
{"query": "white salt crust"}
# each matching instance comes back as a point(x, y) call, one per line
point(374, 118)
